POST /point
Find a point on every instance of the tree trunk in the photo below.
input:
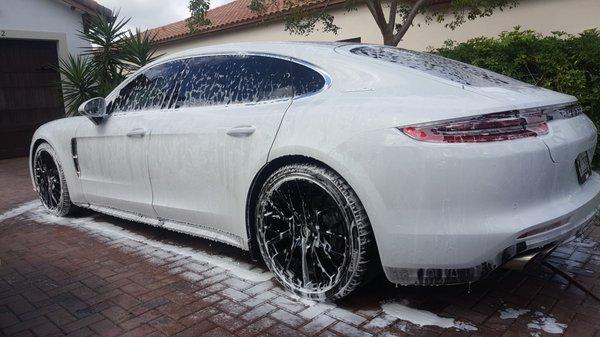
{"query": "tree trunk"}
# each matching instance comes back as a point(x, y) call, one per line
point(388, 39)
point(401, 31)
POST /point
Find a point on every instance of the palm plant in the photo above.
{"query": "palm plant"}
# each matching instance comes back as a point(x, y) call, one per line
point(105, 36)
point(79, 81)
point(114, 52)
point(138, 49)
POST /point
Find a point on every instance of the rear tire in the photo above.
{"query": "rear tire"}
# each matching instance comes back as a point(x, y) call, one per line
point(50, 182)
point(313, 232)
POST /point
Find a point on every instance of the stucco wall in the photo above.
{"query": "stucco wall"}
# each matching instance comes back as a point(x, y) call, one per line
point(42, 20)
point(544, 16)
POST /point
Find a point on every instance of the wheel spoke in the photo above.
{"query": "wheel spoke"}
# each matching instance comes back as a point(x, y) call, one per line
point(320, 264)
point(292, 249)
point(54, 199)
point(302, 201)
point(327, 250)
point(277, 210)
point(305, 278)
point(279, 237)
point(288, 203)
point(334, 235)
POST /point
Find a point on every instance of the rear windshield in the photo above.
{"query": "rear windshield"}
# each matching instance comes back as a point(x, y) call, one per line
point(437, 66)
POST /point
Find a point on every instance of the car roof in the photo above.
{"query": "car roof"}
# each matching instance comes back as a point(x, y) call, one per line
point(311, 52)
point(288, 48)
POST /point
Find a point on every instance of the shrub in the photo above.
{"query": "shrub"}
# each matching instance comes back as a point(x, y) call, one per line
point(114, 52)
point(561, 62)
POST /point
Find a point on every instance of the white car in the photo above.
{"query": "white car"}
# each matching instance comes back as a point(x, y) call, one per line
point(330, 160)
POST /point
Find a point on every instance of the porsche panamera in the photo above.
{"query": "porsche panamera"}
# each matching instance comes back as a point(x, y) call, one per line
point(331, 160)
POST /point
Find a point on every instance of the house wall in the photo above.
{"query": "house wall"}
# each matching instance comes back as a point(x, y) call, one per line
point(545, 16)
point(42, 20)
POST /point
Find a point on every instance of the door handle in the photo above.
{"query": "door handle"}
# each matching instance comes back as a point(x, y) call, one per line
point(136, 133)
point(241, 131)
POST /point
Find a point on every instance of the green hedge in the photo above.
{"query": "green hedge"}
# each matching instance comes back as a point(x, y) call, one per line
point(561, 62)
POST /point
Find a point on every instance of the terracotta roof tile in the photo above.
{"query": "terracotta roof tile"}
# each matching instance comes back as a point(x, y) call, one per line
point(235, 13)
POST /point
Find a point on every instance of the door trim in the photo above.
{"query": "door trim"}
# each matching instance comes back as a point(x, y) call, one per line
point(177, 226)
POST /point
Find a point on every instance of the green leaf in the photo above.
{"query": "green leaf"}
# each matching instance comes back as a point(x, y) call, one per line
point(114, 53)
point(198, 10)
point(79, 81)
point(138, 49)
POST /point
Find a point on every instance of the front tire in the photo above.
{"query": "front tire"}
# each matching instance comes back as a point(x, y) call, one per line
point(313, 232)
point(50, 182)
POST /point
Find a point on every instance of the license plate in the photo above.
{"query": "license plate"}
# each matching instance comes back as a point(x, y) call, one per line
point(582, 164)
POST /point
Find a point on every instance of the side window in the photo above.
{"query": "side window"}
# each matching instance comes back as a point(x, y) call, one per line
point(152, 89)
point(230, 79)
point(306, 80)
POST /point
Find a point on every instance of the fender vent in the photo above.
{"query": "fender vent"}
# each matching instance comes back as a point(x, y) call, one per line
point(74, 154)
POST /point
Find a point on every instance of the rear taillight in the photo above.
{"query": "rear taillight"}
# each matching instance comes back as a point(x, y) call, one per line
point(491, 127)
point(562, 112)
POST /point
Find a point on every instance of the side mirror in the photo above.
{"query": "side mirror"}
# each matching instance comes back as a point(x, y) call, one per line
point(94, 109)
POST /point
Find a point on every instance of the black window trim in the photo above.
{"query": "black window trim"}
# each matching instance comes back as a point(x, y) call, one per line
point(309, 65)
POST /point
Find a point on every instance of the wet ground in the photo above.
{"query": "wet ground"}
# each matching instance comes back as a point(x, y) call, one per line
point(98, 275)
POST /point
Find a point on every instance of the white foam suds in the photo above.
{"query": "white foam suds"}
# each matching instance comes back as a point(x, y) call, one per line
point(510, 313)
point(422, 317)
point(240, 269)
point(546, 324)
point(23, 208)
point(385, 320)
point(305, 301)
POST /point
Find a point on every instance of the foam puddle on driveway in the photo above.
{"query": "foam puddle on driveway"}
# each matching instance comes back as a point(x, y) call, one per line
point(422, 317)
point(546, 324)
point(510, 313)
point(540, 321)
point(23, 208)
point(35, 212)
point(389, 313)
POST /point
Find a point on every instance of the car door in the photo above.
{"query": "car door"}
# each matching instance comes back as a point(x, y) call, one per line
point(204, 153)
point(112, 156)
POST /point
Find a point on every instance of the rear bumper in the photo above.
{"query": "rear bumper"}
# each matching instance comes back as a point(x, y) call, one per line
point(452, 213)
point(517, 255)
point(466, 253)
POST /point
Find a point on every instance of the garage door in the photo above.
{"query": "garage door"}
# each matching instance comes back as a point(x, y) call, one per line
point(29, 96)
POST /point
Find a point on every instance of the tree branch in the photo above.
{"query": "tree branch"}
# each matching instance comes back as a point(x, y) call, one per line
point(374, 7)
point(408, 21)
point(392, 16)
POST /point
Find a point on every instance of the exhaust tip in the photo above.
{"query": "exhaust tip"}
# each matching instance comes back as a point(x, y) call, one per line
point(519, 262)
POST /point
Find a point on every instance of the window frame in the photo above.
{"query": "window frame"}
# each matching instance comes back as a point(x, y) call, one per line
point(292, 59)
point(116, 91)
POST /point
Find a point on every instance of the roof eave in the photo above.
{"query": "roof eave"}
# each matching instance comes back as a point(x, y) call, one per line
point(258, 19)
point(89, 7)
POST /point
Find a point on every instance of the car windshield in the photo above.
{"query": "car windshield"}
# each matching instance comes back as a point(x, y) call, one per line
point(438, 66)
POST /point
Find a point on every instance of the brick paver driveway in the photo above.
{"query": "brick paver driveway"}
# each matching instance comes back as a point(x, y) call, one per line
point(97, 275)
